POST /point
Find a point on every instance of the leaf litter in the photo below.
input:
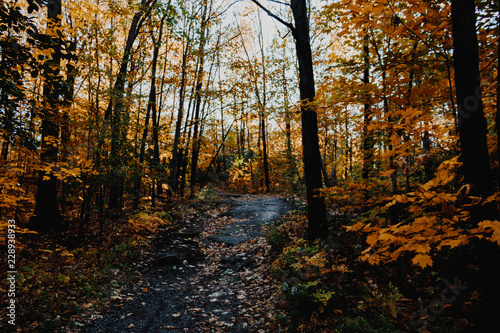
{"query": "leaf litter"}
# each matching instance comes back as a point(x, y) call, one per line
point(218, 288)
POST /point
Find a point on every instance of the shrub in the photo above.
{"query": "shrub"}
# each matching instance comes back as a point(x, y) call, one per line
point(308, 277)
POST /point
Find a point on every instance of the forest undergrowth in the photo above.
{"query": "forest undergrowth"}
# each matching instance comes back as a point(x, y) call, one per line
point(318, 286)
point(63, 278)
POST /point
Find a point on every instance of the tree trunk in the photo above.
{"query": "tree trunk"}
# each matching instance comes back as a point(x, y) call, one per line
point(199, 85)
point(47, 216)
point(175, 161)
point(267, 182)
point(472, 123)
point(367, 115)
point(262, 104)
point(474, 151)
point(288, 125)
point(150, 107)
point(316, 209)
point(497, 118)
point(115, 109)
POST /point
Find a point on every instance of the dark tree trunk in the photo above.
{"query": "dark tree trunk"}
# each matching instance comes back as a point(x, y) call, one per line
point(367, 115)
point(175, 162)
point(5, 147)
point(115, 109)
point(199, 85)
point(263, 103)
point(267, 182)
point(474, 151)
point(47, 216)
point(472, 123)
point(316, 209)
point(151, 107)
point(288, 125)
point(328, 183)
point(497, 118)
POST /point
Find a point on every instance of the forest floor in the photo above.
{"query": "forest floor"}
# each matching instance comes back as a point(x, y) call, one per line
point(209, 275)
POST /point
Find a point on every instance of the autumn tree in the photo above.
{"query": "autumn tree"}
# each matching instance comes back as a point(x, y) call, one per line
point(115, 109)
point(151, 111)
point(47, 215)
point(316, 209)
point(200, 76)
point(473, 143)
point(19, 37)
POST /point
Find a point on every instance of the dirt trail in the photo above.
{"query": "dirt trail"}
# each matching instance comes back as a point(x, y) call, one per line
point(221, 285)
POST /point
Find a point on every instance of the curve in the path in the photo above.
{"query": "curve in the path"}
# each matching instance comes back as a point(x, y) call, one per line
point(217, 293)
point(251, 216)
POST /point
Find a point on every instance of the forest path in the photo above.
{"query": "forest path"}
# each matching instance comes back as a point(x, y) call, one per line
point(222, 284)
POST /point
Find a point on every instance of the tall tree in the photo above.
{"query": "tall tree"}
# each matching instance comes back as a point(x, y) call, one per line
point(263, 111)
point(316, 209)
point(18, 38)
point(116, 107)
point(205, 17)
point(150, 108)
point(47, 215)
point(473, 145)
point(175, 161)
point(367, 114)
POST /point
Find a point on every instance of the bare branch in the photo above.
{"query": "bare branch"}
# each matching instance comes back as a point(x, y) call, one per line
point(280, 3)
point(277, 18)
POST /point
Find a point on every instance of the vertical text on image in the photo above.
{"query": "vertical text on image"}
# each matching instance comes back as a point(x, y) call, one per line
point(11, 272)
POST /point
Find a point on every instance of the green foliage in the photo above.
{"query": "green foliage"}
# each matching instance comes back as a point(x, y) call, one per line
point(307, 276)
point(17, 32)
point(164, 216)
point(281, 233)
point(275, 238)
point(324, 289)
point(361, 325)
point(208, 195)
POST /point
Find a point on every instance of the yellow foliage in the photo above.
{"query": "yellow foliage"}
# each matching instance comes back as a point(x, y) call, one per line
point(4, 223)
point(142, 226)
point(489, 228)
point(423, 260)
point(438, 220)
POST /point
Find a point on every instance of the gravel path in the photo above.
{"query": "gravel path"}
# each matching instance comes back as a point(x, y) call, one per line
point(221, 285)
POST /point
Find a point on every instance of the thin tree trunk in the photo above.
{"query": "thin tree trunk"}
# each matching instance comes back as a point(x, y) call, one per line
point(199, 84)
point(224, 137)
point(175, 161)
point(150, 107)
point(267, 182)
point(367, 115)
point(316, 208)
point(328, 183)
point(158, 179)
point(115, 109)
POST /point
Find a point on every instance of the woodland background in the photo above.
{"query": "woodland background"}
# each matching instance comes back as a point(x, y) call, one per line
point(113, 109)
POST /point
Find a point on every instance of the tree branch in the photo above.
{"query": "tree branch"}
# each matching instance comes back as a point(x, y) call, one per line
point(280, 3)
point(277, 18)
